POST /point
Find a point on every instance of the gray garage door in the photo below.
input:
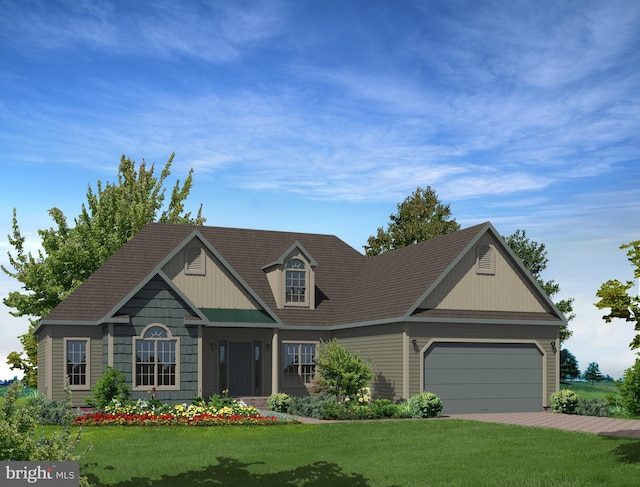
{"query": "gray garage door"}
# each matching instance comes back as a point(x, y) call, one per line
point(484, 377)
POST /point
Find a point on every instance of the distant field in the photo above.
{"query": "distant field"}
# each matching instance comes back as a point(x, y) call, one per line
point(27, 391)
point(586, 390)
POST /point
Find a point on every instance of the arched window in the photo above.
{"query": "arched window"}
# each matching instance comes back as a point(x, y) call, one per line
point(295, 282)
point(156, 359)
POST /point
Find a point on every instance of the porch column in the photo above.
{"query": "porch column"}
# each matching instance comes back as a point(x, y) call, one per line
point(275, 360)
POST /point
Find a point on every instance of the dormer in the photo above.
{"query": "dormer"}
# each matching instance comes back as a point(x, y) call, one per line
point(292, 278)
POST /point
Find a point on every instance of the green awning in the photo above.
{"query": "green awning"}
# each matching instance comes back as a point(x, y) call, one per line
point(226, 315)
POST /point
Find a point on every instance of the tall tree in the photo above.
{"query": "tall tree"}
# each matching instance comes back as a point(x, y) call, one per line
point(534, 257)
point(614, 295)
point(592, 372)
point(568, 365)
point(420, 216)
point(111, 216)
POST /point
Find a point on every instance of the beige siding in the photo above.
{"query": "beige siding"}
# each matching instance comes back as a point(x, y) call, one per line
point(58, 360)
point(466, 289)
point(541, 335)
point(217, 288)
point(384, 347)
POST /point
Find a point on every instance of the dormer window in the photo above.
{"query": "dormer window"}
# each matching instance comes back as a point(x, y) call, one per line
point(292, 278)
point(295, 282)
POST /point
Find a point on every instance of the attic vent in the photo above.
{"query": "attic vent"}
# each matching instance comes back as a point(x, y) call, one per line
point(195, 262)
point(486, 261)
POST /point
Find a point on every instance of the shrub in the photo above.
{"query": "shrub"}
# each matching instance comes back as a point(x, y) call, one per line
point(340, 373)
point(49, 411)
point(592, 407)
point(112, 385)
point(309, 406)
point(425, 405)
point(279, 402)
point(564, 401)
point(629, 389)
point(19, 440)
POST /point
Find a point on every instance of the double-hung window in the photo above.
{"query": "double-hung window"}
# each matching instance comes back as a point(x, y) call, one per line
point(299, 363)
point(295, 283)
point(77, 362)
point(156, 359)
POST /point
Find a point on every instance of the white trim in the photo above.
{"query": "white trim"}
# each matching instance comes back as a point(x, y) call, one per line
point(540, 348)
point(87, 379)
point(170, 337)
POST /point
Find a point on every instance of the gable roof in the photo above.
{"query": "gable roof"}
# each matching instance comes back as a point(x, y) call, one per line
point(350, 288)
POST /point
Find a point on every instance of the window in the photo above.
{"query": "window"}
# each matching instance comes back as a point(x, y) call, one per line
point(299, 362)
point(295, 282)
point(77, 363)
point(156, 360)
point(486, 261)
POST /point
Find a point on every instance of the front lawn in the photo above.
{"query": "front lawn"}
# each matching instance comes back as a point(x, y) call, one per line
point(381, 453)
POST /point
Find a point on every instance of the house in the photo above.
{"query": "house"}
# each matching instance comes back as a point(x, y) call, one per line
point(191, 311)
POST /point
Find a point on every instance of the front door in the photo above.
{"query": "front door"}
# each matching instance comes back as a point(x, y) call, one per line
point(240, 368)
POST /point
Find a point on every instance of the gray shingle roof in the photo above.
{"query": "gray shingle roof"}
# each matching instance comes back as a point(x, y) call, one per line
point(350, 288)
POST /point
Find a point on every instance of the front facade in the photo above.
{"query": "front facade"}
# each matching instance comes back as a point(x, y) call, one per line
point(189, 311)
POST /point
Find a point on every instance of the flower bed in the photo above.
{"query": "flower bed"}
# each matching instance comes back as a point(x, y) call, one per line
point(152, 419)
point(217, 412)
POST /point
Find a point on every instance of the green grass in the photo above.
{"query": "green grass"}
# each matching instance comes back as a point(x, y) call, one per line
point(384, 453)
point(22, 399)
point(586, 390)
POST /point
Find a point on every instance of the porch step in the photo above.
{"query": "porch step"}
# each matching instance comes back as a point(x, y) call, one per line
point(258, 402)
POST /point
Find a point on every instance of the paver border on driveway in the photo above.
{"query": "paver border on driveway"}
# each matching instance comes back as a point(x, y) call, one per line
point(621, 428)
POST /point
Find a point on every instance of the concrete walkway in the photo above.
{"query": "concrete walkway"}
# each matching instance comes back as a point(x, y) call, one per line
point(622, 428)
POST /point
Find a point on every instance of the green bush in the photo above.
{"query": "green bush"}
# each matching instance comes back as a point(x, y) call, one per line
point(309, 406)
point(279, 402)
point(592, 407)
point(377, 409)
point(629, 389)
point(50, 411)
point(20, 440)
point(564, 401)
point(340, 373)
point(112, 385)
point(425, 405)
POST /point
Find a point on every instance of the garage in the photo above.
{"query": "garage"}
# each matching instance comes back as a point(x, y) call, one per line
point(484, 377)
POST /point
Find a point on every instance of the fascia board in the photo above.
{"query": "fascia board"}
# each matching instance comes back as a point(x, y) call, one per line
point(488, 227)
point(516, 260)
point(299, 246)
point(240, 280)
point(447, 270)
point(482, 321)
point(157, 270)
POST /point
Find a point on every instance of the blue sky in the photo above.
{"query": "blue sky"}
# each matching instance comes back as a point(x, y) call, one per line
point(322, 116)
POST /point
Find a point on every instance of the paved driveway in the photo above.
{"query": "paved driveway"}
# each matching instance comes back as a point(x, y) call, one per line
point(623, 428)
